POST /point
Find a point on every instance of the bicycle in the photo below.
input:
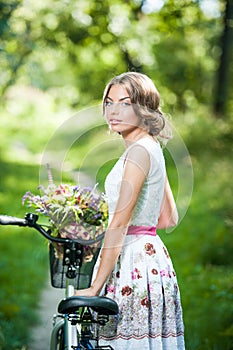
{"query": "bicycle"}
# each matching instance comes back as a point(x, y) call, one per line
point(76, 326)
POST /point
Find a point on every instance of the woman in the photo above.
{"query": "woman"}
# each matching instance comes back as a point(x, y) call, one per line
point(134, 267)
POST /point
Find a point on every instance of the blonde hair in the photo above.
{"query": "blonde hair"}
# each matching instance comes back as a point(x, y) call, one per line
point(146, 102)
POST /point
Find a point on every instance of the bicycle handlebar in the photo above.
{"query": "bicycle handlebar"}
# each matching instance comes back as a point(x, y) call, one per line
point(30, 220)
point(10, 220)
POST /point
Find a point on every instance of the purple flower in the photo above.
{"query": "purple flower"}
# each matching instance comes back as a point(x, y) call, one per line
point(69, 206)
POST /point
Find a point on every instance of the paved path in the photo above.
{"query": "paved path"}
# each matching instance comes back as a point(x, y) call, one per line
point(40, 335)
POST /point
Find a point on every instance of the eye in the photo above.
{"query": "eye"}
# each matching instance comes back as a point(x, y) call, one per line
point(108, 103)
point(125, 104)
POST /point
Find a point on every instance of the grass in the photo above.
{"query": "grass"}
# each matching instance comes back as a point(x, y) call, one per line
point(200, 247)
point(23, 262)
point(23, 274)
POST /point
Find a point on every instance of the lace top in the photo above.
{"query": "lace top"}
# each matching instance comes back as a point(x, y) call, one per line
point(147, 209)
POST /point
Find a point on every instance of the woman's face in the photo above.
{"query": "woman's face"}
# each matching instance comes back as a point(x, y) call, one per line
point(119, 111)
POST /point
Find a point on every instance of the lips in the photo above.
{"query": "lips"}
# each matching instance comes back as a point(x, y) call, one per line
point(115, 121)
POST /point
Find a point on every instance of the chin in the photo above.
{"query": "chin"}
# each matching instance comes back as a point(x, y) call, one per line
point(116, 128)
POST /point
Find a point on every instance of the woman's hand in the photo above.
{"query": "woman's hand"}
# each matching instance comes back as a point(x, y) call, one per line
point(88, 292)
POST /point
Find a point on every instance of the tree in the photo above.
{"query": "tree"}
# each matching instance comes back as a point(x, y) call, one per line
point(15, 45)
point(70, 49)
point(223, 73)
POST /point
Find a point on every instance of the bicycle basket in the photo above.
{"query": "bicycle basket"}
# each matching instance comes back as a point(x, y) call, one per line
point(59, 269)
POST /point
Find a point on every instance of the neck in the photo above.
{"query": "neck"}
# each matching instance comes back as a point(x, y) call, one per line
point(134, 136)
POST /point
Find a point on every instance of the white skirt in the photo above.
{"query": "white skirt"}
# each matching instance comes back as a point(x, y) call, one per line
point(144, 285)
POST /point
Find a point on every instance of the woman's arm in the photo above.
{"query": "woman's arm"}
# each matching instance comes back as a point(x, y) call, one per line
point(168, 213)
point(137, 166)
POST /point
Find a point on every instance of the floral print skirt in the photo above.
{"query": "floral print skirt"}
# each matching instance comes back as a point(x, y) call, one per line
point(144, 285)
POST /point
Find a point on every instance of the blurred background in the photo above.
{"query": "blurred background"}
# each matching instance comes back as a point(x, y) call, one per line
point(55, 60)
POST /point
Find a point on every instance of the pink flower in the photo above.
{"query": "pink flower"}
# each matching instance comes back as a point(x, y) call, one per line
point(165, 273)
point(136, 274)
point(111, 289)
point(149, 248)
point(133, 275)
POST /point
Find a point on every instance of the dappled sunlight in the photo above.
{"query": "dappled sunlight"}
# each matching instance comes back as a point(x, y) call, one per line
point(56, 57)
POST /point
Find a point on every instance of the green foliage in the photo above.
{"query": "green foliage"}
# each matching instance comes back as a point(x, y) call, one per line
point(72, 49)
point(56, 57)
point(23, 262)
point(23, 272)
point(200, 246)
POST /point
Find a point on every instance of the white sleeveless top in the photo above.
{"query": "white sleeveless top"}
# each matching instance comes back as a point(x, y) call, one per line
point(147, 209)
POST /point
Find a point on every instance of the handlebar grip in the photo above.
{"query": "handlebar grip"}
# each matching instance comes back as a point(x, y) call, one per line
point(11, 220)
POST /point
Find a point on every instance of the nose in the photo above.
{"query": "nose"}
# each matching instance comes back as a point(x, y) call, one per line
point(115, 108)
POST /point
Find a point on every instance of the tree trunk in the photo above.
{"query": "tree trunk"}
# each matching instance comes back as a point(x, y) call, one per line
point(223, 74)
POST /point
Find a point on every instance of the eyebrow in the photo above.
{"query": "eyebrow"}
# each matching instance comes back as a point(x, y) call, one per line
point(121, 99)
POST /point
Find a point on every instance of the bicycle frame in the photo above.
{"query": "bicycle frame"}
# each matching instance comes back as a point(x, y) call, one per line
point(72, 331)
point(64, 327)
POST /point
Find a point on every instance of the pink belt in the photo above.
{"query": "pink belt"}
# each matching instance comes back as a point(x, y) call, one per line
point(142, 230)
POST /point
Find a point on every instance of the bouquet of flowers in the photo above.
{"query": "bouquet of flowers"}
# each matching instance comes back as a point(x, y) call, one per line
point(72, 211)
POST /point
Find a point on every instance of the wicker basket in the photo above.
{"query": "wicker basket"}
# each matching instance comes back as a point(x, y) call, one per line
point(58, 270)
